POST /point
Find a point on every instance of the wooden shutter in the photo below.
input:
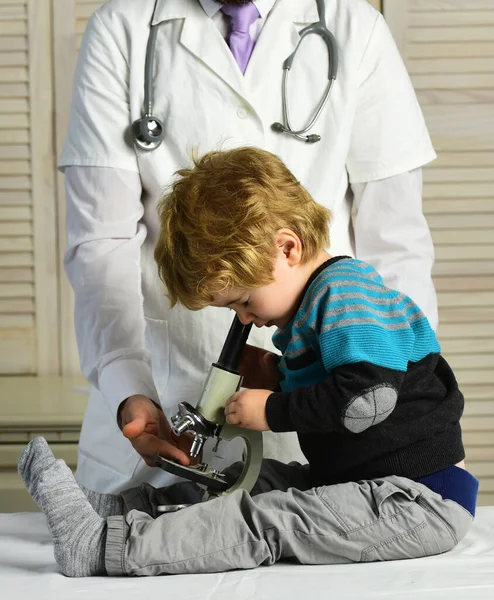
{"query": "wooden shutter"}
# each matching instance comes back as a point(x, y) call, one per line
point(448, 46)
point(28, 234)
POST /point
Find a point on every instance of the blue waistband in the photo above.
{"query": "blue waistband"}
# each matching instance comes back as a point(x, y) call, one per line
point(454, 483)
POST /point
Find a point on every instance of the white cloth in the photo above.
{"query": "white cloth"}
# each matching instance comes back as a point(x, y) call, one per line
point(28, 570)
point(372, 129)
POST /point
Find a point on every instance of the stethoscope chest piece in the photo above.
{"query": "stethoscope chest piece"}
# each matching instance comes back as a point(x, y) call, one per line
point(147, 132)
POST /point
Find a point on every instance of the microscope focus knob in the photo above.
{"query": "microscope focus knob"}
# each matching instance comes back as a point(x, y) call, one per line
point(181, 424)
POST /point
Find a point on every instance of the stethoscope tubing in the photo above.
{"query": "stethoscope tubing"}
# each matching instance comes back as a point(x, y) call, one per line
point(144, 137)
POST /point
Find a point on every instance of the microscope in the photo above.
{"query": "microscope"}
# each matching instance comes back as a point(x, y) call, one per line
point(207, 420)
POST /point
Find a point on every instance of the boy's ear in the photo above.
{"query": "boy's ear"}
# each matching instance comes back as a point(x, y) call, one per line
point(290, 245)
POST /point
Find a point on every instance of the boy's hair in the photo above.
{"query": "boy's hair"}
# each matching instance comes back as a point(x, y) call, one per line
point(218, 224)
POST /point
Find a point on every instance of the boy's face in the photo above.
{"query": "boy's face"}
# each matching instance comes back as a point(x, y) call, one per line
point(274, 303)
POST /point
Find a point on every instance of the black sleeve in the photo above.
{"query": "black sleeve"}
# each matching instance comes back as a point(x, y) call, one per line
point(352, 398)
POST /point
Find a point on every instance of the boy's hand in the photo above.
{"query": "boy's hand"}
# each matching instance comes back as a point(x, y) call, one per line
point(259, 368)
point(247, 409)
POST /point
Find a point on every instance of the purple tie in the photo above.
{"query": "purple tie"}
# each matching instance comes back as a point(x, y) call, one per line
point(240, 42)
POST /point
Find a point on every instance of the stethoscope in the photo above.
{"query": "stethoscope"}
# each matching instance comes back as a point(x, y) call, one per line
point(148, 133)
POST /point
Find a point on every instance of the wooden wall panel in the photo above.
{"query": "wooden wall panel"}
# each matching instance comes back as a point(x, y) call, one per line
point(28, 232)
point(448, 46)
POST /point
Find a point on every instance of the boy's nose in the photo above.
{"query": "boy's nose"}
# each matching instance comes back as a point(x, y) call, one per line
point(244, 317)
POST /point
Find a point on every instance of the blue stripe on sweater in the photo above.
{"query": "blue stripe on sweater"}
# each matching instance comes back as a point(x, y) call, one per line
point(366, 343)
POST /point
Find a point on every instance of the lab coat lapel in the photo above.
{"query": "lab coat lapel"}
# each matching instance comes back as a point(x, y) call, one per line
point(202, 38)
point(278, 39)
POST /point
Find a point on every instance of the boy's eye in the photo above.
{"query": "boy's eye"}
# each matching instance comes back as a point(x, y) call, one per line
point(245, 303)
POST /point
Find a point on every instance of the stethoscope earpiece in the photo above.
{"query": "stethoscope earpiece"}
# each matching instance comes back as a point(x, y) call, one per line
point(147, 132)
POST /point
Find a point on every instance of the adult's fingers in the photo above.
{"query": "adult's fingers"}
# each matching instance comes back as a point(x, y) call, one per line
point(135, 428)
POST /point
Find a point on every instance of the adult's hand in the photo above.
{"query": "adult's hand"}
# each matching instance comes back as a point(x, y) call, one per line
point(259, 368)
point(145, 425)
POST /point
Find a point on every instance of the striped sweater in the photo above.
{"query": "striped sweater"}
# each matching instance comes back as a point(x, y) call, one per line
point(363, 381)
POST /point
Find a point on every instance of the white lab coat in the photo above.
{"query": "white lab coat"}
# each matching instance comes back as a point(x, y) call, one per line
point(371, 129)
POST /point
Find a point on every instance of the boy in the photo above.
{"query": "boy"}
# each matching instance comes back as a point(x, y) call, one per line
point(375, 405)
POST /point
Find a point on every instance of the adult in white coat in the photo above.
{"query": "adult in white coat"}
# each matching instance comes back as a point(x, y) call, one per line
point(133, 348)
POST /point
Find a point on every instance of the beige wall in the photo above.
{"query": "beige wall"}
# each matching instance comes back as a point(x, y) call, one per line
point(448, 46)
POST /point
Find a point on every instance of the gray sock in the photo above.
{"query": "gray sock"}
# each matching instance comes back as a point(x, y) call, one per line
point(106, 505)
point(79, 534)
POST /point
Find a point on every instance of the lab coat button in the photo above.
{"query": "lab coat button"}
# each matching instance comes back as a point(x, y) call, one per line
point(242, 113)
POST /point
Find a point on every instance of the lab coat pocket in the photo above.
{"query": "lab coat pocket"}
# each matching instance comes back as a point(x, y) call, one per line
point(157, 343)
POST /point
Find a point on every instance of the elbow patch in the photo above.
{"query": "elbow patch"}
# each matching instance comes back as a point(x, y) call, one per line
point(369, 408)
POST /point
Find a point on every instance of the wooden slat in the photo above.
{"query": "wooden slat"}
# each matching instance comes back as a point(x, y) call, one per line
point(13, 275)
point(15, 183)
point(467, 346)
point(466, 299)
point(16, 290)
point(458, 174)
point(472, 377)
point(13, 28)
point(16, 244)
point(467, 315)
point(9, 229)
point(462, 159)
point(14, 105)
point(15, 152)
point(12, 12)
point(485, 499)
point(443, 5)
point(447, 81)
point(487, 484)
point(13, 59)
point(478, 423)
point(465, 330)
point(466, 252)
point(465, 267)
point(453, 49)
point(483, 470)
point(64, 20)
point(451, 34)
point(480, 408)
point(456, 18)
point(17, 306)
point(461, 127)
point(462, 362)
point(16, 322)
point(423, 66)
point(43, 166)
point(14, 121)
point(462, 237)
point(466, 283)
point(15, 136)
point(478, 392)
point(480, 453)
point(13, 43)
point(436, 204)
point(13, 74)
point(13, 90)
point(451, 97)
point(467, 221)
point(477, 439)
point(15, 167)
point(15, 213)
point(17, 259)
point(14, 198)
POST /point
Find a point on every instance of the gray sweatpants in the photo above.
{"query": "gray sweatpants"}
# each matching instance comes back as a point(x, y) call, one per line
point(282, 519)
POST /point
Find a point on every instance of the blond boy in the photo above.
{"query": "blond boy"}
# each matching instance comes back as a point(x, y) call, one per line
point(360, 379)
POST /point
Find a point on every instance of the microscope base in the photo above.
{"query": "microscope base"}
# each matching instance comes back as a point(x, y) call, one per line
point(202, 474)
